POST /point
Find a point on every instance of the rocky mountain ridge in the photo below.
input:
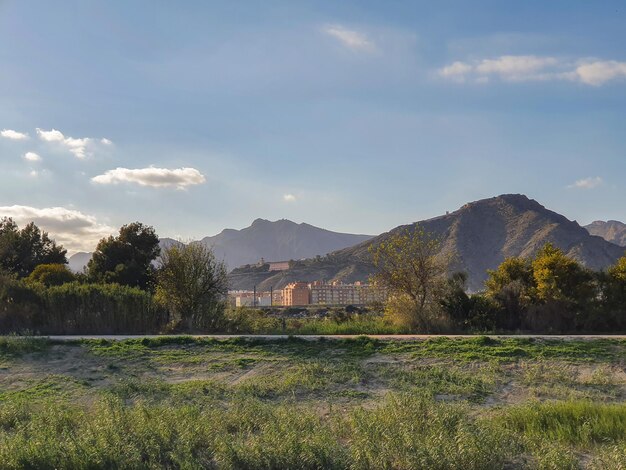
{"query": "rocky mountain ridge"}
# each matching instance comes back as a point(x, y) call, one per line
point(478, 237)
point(612, 231)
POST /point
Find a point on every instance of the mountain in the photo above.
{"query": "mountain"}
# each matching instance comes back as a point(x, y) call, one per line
point(479, 236)
point(612, 231)
point(281, 240)
point(78, 261)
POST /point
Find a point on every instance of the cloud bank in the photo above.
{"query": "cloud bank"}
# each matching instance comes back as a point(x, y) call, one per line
point(289, 198)
point(77, 147)
point(13, 135)
point(524, 68)
point(179, 178)
point(72, 229)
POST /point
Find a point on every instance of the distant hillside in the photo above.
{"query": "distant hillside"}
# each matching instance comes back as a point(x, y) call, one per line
point(282, 240)
point(612, 231)
point(78, 261)
point(480, 235)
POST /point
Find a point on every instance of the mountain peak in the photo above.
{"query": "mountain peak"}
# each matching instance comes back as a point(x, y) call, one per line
point(478, 237)
point(612, 231)
point(277, 240)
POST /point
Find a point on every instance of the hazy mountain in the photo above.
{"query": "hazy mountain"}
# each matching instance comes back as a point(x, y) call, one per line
point(281, 240)
point(480, 235)
point(612, 231)
point(78, 261)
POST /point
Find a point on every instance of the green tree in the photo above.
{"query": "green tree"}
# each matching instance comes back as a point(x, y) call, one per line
point(51, 275)
point(564, 295)
point(512, 287)
point(193, 285)
point(411, 268)
point(22, 250)
point(614, 294)
point(560, 278)
point(126, 259)
point(473, 312)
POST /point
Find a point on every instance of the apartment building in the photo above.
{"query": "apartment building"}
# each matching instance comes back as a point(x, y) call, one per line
point(296, 293)
point(337, 293)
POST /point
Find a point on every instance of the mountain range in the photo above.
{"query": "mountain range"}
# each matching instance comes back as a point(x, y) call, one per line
point(478, 236)
point(612, 231)
point(282, 240)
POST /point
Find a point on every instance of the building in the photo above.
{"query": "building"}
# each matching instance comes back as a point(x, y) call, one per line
point(278, 265)
point(274, 265)
point(296, 293)
point(248, 299)
point(337, 293)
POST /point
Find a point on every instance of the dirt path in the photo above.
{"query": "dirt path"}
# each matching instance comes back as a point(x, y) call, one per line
point(331, 337)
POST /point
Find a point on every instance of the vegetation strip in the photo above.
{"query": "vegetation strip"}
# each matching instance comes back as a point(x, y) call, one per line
point(185, 402)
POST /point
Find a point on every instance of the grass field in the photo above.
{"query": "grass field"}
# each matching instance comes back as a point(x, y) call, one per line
point(246, 404)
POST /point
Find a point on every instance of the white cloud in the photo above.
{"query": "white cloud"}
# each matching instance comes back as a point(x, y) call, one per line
point(587, 183)
point(32, 157)
point(33, 174)
point(523, 68)
point(72, 229)
point(13, 135)
point(77, 147)
point(289, 198)
point(349, 38)
point(456, 71)
point(599, 72)
point(154, 177)
point(515, 67)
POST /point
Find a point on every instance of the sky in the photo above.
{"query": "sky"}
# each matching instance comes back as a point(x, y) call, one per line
point(355, 116)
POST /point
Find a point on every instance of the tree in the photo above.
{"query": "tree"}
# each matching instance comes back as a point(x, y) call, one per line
point(51, 275)
point(411, 268)
point(564, 295)
point(560, 278)
point(511, 286)
point(22, 250)
point(193, 284)
point(126, 259)
point(614, 293)
point(475, 312)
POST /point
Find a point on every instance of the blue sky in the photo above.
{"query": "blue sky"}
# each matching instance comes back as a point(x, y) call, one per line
point(355, 116)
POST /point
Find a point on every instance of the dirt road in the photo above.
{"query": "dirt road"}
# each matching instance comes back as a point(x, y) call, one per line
point(335, 337)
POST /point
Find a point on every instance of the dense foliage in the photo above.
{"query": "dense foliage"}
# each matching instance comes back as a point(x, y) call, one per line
point(193, 284)
point(21, 251)
point(126, 259)
point(128, 289)
point(74, 308)
point(550, 293)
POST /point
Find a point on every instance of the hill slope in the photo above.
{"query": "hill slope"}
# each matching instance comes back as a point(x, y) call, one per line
point(277, 241)
point(480, 235)
point(612, 231)
point(282, 240)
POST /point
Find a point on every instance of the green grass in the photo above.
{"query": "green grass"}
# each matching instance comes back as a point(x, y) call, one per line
point(183, 402)
point(577, 423)
point(12, 346)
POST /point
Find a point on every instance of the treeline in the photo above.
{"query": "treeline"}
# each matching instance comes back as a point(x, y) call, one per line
point(549, 293)
point(128, 287)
